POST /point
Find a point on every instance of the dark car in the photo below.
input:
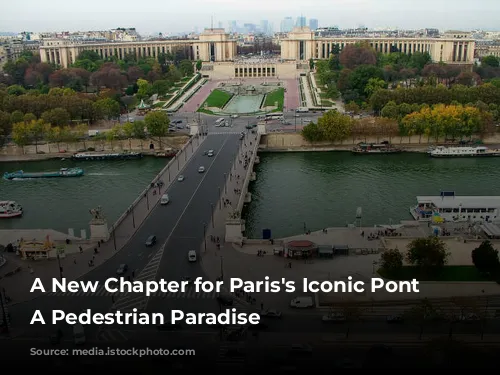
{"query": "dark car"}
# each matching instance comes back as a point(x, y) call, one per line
point(225, 300)
point(122, 269)
point(151, 241)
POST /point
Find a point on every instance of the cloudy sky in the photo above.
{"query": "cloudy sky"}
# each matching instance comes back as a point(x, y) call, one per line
point(171, 16)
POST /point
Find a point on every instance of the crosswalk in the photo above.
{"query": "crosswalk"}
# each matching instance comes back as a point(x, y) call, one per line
point(190, 293)
point(223, 133)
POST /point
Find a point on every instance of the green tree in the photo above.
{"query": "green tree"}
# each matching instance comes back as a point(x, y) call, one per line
point(21, 134)
point(16, 116)
point(429, 254)
point(38, 131)
point(199, 65)
point(373, 85)
point(56, 116)
point(81, 132)
point(106, 109)
point(157, 124)
point(4, 123)
point(145, 89)
point(312, 133)
point(311, 63)
point(113, 134)
point(335, 126)
point(485, 258)
point(161, 87)
point(186, 67)
point(28, 117)
point(391, 260)
point(16, 90)
point(490, 60)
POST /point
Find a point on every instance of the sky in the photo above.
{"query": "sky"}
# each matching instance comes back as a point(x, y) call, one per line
point(170, 16)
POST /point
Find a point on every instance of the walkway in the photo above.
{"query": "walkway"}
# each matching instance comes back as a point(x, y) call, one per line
point(197, 99)
point(292, 96)
point(187, 95)
point(76, 265)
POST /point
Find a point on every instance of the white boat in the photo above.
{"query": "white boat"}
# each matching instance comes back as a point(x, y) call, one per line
point(450, 207)
point(456, 152)
point(10, 209)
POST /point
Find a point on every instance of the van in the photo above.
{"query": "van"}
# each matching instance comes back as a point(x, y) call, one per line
point(220, 122)
point(79, 334)
point(192, 256)
point(164, 199)
point(302, 110)
point(302, 302)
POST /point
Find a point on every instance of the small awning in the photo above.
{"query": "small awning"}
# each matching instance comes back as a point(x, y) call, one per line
point(490, 229)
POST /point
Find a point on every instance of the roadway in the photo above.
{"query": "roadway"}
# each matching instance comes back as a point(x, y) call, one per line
point(179, 225)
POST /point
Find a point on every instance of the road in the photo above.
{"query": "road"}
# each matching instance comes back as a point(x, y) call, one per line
point(179, 225)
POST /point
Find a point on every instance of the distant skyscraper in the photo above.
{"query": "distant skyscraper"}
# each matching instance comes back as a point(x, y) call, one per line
point(286, 25)
point(264, 27)
point(301, 21)
point(233, 26)
point(220, 25)
point(313, 23)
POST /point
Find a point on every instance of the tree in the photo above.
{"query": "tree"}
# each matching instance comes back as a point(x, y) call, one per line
point(106, 109)
point(352, 107)
point(16, 116)
point(21, 134)
point(427, 253)
point(311, 63)
point(109, 76)
point(38, 131)
point(114, 133)
point(145, 89)
point(81, 132)
point(4, 123)
point(391, 260)
point(157, 124)
point(56, 117)
point(485, 258)
point(354, 55)
point(29, 117)
point(312, 133)
point(491, 61)
point(199, 65)
point(161, 87)
point(186, 67)
point(335, 126)
point(373, 85)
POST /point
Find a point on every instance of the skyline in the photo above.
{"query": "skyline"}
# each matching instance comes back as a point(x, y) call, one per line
point(50, 16)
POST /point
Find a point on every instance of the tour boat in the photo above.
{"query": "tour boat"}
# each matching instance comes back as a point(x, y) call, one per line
point(63, 172)
point(450, 207)
point(374, 148)
point(455, 152)
point(10, 209)
point(111, 156)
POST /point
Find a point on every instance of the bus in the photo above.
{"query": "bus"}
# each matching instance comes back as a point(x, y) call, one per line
point(274, 116)
point(220, 122)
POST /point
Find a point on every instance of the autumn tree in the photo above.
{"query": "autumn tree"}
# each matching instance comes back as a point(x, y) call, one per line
point(354, 55)
point(335, 126)
point(485, 258)
point(106, 109)
point(21, 134)
point(38, 131)
point(312, 133)
point(110, 76)
point(81, 131)
point(157, 124)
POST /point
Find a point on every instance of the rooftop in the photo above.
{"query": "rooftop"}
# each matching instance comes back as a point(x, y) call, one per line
point(464, 201)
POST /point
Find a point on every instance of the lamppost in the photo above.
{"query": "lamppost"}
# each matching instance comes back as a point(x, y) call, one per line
point(220, 200)
point(212, 212)
point(168, 174)
point(133, 216)
point(205, 236)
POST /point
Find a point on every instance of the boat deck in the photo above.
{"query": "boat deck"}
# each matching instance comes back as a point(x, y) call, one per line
point(464, 201)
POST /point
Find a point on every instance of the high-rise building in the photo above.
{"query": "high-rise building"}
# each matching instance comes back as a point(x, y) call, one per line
point(313, 23)
point(301, 21)
point(264, 27)
point(286, 25)
point(233, 26)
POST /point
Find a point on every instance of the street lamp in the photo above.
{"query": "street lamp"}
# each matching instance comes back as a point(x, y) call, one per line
point(220, 200)
point(212, 207)
point(205, 236)
point(168, 174)
point(133, 216)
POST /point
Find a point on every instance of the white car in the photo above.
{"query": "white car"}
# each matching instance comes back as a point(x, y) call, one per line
point(201, 169)
point(234, 116)
point(180, 178)
point(192, 256)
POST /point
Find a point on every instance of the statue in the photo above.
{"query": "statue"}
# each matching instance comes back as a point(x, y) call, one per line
point(97, 214)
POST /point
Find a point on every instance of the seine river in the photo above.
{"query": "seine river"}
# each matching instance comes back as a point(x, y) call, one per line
point(324, 189)
point(62, 203)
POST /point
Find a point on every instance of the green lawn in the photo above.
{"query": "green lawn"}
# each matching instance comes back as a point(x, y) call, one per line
point(448, 273)
point(217, 98)
point(158, 104)
point(275, 96)
point(187, 78)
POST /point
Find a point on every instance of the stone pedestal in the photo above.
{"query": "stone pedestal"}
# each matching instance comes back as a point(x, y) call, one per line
point(261, 128)
point(234, 230)
point(194, 129)
point(99, 230)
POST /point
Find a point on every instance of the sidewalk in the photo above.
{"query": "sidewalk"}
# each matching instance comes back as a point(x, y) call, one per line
point(76, 265)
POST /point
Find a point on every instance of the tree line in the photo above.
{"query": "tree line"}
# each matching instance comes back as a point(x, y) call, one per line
point(34, 131)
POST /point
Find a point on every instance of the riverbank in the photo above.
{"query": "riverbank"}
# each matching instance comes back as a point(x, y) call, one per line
point(48, 151)
point(290, 142)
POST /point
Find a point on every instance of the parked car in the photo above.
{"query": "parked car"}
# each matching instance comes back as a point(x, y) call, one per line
point(122, 269)
point(151, 241)
point(180, 178)
point(201, 169)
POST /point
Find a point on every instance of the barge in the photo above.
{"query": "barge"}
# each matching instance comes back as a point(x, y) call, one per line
point(63, 172)
point(87, 156)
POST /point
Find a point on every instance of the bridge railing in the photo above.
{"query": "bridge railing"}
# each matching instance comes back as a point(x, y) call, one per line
point(143, 194)
point(248, 175)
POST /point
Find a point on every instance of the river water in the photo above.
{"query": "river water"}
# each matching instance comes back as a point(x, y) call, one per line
point(62, 203)
point(324, 189)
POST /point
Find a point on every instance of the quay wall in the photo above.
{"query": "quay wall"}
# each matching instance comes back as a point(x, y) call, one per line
point(12, 152)
point(295, 142)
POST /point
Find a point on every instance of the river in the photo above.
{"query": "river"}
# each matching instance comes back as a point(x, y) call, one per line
point(62, 203)
point(324, 189)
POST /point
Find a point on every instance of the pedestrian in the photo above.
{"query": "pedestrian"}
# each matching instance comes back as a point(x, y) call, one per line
point(81, 249)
